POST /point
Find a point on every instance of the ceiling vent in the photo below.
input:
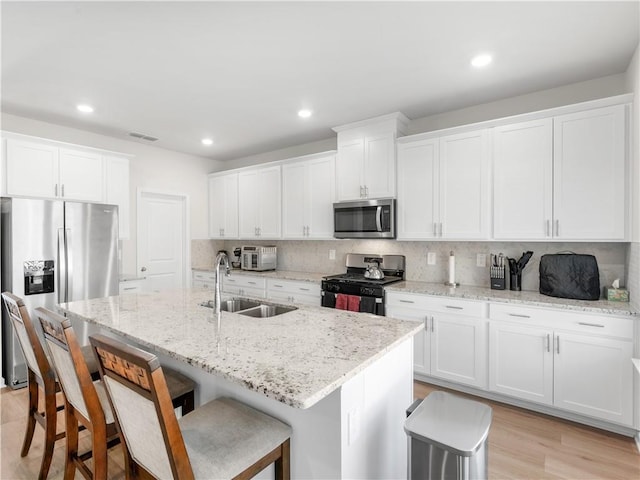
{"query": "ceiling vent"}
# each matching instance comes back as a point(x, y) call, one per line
point(142, 136)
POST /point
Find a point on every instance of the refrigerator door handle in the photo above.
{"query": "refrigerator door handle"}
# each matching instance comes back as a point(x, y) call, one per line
point(62, 266)
point(69, 263)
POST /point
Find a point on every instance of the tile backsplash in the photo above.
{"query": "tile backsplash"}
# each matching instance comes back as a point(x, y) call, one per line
point(313, 256)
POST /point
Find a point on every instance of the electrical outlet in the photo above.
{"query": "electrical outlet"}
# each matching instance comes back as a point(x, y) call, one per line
point(481, 260)
point(332, 254)
point(431, 258)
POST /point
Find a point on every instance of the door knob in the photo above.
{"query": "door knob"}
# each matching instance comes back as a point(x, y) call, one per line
point(143, 269)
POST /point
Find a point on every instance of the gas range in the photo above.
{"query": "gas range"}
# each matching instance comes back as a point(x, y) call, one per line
point(353, 283)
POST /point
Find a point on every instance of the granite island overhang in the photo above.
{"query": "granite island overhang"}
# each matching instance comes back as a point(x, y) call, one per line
point(341, 379)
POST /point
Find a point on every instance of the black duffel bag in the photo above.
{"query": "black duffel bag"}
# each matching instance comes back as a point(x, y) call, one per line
point(570, 275)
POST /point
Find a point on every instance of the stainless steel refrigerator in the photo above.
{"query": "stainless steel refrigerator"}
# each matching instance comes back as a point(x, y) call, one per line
point(53, 252)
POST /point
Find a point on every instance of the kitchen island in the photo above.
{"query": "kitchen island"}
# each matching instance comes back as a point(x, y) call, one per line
point(342, 380)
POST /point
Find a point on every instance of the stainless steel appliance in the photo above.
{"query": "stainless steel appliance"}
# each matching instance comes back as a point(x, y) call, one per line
point(258, 258)
point(54, 252)
point(365, 219)
point(357, 291)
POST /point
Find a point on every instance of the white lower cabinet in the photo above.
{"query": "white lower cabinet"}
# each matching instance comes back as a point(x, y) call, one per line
point(246, 285)
point(200, 279)
point(131, 286)
point(521, 361)
point(580, 363)
point(453, 344)
point(306, 293)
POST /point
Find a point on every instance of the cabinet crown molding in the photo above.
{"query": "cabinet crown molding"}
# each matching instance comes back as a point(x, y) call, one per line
point(398, 119)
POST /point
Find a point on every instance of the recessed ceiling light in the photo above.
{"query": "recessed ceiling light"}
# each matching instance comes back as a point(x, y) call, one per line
point(481, 60)
point(207, 141)
point(304, 113)
point(84, 108)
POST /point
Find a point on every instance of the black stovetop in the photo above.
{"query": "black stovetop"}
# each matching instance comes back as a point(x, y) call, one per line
point(359, 278)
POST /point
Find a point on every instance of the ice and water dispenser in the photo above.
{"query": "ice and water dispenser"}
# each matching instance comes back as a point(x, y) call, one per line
point(38, 276)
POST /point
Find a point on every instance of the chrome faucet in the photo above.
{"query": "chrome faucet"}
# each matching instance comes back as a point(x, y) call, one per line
point(221, 258)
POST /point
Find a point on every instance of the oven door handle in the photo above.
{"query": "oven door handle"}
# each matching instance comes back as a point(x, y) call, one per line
point(379, 218)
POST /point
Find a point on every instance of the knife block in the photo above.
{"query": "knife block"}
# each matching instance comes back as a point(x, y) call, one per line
point(498, 278)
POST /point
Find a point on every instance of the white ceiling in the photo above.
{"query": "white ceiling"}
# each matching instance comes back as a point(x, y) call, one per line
point(238, 71)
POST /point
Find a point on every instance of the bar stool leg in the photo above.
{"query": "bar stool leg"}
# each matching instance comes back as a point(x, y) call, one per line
point(32, 412)
point(72, 441)
point(50, 437)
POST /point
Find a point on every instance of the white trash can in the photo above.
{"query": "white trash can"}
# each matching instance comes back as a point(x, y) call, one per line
point(448, 438)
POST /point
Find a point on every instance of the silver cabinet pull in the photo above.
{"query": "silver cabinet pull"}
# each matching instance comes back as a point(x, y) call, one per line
point(548, 342)
point(366, 191)
point(129, 288)
point(426, 323)
point(433, 320)
point(547, 228)
point(440, 228)
point(557, 228)
point(304, 289)
point(454, 307)
point(279, 286)
point(435, 229)
point(591, 324)
point(251, 283)
point(62, 190)
point(55, 190)
point(361, 192)
point(406, 301)
point(519, 315)
point(558, 344)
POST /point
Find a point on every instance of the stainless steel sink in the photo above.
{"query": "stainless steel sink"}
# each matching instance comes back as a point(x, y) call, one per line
point(264, 311)
point(250, 308)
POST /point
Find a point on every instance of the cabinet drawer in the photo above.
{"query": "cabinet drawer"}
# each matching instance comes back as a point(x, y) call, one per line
point(433, 304)
point(563, 320)
point(407, 300)
point(204, 276)
point(301, 288)
point(244, 281)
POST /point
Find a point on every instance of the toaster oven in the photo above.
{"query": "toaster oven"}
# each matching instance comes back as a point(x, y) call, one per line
point(258, 258)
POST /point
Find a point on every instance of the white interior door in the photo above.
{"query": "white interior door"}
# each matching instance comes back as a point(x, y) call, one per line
point(162, 240)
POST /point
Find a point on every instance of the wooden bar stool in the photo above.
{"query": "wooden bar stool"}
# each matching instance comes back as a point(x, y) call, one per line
point(86, 403)
point(40, 376)
point(222, 439)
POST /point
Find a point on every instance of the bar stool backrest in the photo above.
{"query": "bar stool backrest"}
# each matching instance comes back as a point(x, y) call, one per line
point(67, 358)
point(32, 349)
point(143, 409)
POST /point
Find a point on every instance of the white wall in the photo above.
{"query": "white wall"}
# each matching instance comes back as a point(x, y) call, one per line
point(532, 102)
point(632, 84)
point(555, 97)
point(152, 168)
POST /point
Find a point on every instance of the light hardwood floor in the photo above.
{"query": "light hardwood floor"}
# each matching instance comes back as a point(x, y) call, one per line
point(522, 445)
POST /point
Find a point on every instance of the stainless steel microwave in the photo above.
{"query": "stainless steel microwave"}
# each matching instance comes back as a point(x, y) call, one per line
point(365, 219)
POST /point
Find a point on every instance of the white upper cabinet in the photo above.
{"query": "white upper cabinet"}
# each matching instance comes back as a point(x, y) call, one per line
point(41, 168)
point(117, 190)
point(523, 180)
point(308, 193)
point(31, 169)
point(366, 160)
point(561, 178)
point(418, 190)
point(260, 203)
point(464, 185)
point(590, 200)
point(81, 175)
point(443, 187)
point(223, 205)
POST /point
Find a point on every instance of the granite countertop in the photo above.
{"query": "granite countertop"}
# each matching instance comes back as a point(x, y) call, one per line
point(509, 296)
point(276, 274)
point(297, 358)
